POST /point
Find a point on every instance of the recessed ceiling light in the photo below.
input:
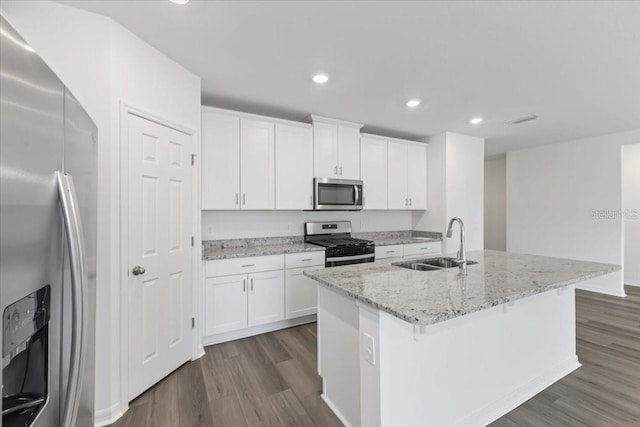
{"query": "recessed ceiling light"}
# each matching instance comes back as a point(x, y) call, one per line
point(320, 78)
point(476, 120)
point(179, 1)
point(412, 103)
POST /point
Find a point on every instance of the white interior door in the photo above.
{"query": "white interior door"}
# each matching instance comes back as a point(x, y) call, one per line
point(159, 234)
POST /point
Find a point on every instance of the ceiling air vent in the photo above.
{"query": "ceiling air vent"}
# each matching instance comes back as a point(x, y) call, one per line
point(522, 119)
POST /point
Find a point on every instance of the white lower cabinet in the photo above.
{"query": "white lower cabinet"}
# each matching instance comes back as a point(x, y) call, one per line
point(245, 293)
point(417, 250)
point(301, 293)
point(266, 297)
point(226, 303)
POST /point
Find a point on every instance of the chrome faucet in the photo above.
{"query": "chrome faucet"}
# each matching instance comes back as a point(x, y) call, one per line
point(462, 252)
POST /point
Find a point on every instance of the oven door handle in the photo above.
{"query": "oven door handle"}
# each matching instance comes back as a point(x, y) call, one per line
point(356, 193)
point(349, 258)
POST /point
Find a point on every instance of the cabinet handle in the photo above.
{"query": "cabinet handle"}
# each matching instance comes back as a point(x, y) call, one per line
point(244, 285)
point(244, 199)
point(340, 170)
point(410, 201)
point(306, 259)
point(252, 285)
point(248, 265)
point(406, 202)
point(311, 201)
point(423, 249)
point(335, 170)
point(391, 252)
point(237, 199)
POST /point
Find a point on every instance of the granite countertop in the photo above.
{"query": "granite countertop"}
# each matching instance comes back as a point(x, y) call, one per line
point(428, 297)
point(238, 248)
point(385, 238)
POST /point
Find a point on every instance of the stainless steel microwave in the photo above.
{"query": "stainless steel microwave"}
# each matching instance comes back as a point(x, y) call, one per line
point(337, 194)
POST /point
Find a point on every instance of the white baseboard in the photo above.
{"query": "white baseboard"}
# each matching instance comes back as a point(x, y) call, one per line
point(257, 330)
point(104, 417)
point(602, 290)
point(632, 282)
point(526, 391)
point(335, 410)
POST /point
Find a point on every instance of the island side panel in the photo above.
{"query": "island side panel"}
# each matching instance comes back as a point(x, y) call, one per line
point(338, 354)
point(471, 370)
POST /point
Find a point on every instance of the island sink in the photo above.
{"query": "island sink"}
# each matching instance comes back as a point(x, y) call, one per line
point(431, 264)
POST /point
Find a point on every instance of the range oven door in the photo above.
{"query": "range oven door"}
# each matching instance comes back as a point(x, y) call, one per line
point(337, 194)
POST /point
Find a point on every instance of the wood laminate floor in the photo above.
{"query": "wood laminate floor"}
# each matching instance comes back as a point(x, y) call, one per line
point(271, 380)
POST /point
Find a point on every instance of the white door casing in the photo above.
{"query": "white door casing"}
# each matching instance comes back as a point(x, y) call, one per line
point(159, 236)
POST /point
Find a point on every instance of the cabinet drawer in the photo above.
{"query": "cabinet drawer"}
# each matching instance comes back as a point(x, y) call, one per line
point(389, 251)
point(304, 259)
point(225, 267)
point(425, 248)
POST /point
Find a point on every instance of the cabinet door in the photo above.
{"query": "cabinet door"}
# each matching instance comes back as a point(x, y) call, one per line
point(325, 150)
point(266, 297)
point(257, 164)
point(225, 304)
point(301, 297)
point(348, 152)
point(294, 171)
point(373, 172)
point(397, 175)
point(220, 161)
point(417, 175)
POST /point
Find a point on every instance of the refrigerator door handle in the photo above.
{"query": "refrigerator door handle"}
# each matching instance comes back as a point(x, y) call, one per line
point(75, 243)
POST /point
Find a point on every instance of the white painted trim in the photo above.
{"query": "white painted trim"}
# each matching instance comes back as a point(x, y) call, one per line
point(335, 410)
point(526, 391)
point(389, 138)
point(109, 415)
point(632, 283)
point(243, 115)
point(315, 118)
point(126, 109)
point(257, 330)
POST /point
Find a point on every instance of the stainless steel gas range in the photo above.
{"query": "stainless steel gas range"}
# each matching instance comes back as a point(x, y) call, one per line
point(342, 249)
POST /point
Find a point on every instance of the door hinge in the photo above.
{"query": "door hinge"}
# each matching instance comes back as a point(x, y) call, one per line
point(193, 322)
point(193, 159)
point(193, 241)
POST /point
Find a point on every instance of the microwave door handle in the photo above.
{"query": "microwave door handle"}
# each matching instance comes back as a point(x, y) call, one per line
point(355, 195)
point(75, 243)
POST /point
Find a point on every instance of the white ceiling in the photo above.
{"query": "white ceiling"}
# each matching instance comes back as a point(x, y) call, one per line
point(577, 64)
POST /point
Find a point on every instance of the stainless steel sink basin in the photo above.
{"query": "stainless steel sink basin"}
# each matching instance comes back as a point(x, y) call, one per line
point(430, 264)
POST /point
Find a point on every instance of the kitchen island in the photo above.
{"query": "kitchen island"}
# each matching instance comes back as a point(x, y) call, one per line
point(400, 347)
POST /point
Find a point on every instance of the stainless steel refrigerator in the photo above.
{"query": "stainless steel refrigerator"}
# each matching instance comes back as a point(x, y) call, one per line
point(48, 215)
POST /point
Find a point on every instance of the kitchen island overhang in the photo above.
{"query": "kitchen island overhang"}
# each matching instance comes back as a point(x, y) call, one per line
point(439, 348)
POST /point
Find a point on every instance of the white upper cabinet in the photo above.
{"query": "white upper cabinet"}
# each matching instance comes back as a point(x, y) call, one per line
point(349, 152)
point(220, 161)
point(325, 150)
point(417, 175)
point(373, 171)
point(294, 167)
point(407, 170)
point(397, 171)
point(336, 149)
point(257, 164)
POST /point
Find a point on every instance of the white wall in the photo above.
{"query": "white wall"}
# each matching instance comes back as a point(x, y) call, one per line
point(631, 208)
point(103, 65)
point(455, 185)
point(495, 204)
point(554, 194)
point(237, 224)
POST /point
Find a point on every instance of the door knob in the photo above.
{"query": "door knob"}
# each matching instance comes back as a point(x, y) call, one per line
point(137, 270)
